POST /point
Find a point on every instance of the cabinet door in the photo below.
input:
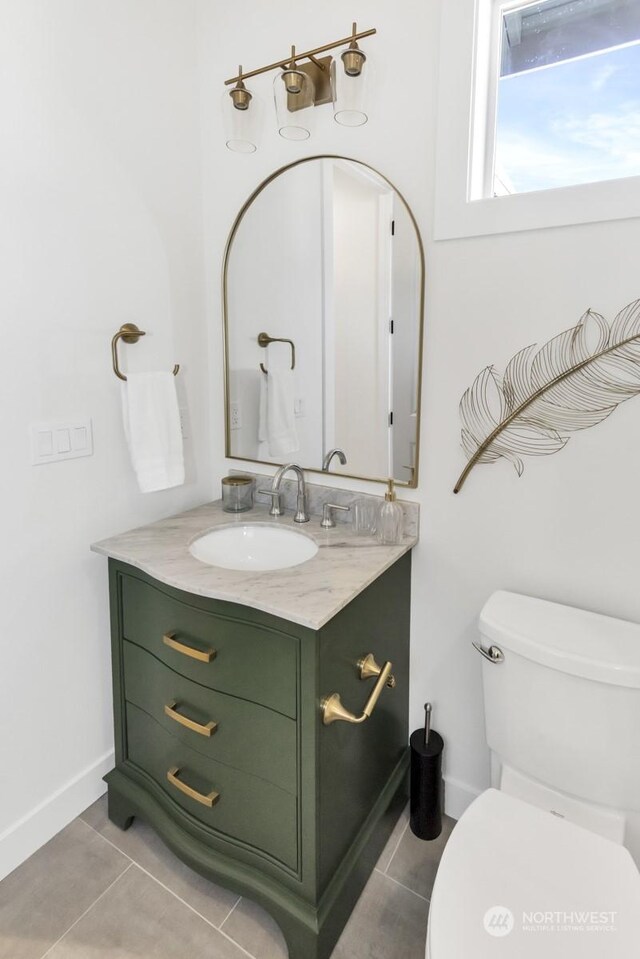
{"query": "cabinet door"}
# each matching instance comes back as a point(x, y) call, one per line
point(247, 810)
point(234, 731)
point(227, 653)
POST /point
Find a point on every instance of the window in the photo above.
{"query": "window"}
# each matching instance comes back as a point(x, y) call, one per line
point(568, 94)
point(538, 115)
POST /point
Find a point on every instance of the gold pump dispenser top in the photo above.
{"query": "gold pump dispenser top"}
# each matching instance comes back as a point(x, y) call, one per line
point(390, 495)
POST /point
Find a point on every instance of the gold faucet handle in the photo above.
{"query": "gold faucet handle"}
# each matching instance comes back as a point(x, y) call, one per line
point(368, 667)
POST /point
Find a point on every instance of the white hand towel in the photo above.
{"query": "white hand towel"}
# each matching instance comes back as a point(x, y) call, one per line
point(152, 427)
point(281, 426)
point(263, 428)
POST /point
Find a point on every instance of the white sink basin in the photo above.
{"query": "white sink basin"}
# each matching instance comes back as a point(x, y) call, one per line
point(253, 547)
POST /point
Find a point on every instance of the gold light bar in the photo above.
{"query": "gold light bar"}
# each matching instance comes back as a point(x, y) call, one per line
point(308, 55)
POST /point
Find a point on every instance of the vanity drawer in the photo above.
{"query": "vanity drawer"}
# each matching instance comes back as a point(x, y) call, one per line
point(246, 736)
point(253, 662)
point(248, 809)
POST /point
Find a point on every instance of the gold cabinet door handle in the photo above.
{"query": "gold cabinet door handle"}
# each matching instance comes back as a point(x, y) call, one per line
point(209, 800)
point(208, 729)
point(333, 710)
point(204, 655)
point(368, 667)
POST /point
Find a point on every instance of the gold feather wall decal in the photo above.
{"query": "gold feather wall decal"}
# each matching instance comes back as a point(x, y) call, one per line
point(571, 383)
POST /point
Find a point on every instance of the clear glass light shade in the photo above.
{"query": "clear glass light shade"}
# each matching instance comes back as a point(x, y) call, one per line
point(242, 127)
point(350, 106)
point(293, 92)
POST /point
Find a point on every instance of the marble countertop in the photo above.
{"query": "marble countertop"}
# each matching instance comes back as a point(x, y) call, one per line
point(309, 594)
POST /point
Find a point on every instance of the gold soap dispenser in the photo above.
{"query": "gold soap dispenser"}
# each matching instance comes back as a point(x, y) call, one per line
point(390, 519)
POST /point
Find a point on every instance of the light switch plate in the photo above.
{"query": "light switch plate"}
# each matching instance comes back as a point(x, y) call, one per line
point(60, 440)
point(235, 415)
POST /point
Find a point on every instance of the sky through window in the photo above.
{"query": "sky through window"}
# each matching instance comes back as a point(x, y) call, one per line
point(569, 122)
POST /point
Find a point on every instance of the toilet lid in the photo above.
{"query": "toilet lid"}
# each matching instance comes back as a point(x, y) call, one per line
point(517, 882)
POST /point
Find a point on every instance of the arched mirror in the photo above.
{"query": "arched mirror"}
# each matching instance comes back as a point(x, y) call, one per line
point(323, 302)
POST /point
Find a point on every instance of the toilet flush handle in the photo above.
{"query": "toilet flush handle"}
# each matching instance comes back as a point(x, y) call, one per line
point(494, 654)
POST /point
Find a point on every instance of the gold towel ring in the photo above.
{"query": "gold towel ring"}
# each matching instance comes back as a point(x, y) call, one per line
point(264, 339)
point(130, 333)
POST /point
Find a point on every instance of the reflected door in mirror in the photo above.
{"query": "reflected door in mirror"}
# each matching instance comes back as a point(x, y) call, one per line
point(326, 261)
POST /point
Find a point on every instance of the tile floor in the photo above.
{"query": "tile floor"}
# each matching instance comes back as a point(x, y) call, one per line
point(94, 892)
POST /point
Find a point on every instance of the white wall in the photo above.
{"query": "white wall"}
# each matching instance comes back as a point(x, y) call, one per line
point(100, 224)
point(568, 529)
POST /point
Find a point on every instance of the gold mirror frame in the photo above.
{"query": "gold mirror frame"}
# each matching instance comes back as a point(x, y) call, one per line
point(225, 325)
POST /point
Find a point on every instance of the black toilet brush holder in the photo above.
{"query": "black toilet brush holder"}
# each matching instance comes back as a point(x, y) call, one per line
point(426, 780)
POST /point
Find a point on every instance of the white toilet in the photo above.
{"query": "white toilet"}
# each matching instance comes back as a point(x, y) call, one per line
point(542, 864)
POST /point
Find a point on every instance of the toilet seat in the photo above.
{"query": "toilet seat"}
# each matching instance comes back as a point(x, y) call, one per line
point(524, 860)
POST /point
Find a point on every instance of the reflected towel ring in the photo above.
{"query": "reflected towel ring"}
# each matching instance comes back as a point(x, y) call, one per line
point(130, 333)
point(264, 339)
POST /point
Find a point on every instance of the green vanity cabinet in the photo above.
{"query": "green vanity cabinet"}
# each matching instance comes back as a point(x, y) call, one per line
point(221, 744)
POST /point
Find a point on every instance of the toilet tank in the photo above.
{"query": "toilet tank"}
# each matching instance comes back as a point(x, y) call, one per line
point(563, 706)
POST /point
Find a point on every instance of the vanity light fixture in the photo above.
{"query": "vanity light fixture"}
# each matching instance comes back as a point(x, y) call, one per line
point(242, 115)
point(353, 58)
point(299, 87)
point(349, 86)
point(293, 91)
point(293, 79)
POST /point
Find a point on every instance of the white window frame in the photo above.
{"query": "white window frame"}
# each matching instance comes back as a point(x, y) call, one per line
point(469, 57)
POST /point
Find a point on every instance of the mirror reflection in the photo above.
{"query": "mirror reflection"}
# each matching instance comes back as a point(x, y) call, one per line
point(323, 319)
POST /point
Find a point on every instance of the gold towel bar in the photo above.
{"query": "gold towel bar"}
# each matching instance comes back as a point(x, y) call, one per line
point(130, 333)
point(264, 339)
point(332, 709)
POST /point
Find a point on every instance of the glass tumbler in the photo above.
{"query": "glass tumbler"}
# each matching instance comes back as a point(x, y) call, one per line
point(364, 517)
point(237, 494)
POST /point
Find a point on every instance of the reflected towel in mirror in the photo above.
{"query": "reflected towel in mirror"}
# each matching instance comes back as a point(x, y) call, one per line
point(276, 426)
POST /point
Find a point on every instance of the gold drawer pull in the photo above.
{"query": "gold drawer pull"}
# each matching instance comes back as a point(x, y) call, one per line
point(204, 655)
point(209, 800)
point(333, 710)
point(206, 730)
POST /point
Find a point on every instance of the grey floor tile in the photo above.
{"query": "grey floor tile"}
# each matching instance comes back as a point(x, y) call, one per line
point(394, 838)
point(388, 922)
point(141, 844)
point(41, 899)
point(415, 862)
point(138, 919)
point(254, 929)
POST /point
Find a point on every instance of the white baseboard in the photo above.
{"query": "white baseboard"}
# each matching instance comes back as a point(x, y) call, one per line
point(457, 796)
point(38, 826)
